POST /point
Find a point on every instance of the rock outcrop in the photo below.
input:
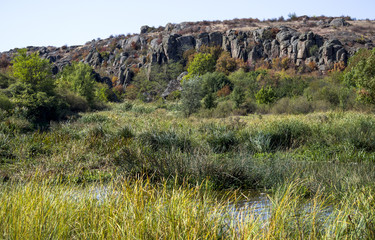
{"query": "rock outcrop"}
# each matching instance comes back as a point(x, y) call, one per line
point(123, 56)
point(174, 85)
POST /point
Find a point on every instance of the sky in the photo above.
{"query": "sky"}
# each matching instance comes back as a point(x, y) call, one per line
point(74, 22)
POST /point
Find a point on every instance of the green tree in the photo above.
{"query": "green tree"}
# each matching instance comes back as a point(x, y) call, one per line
point(213, 82)
point(238, 96)
point(34, 88)
point(209, 101)
point(32, 70)
point(79, 78)
point(362, 76)
point(201, 64)
point(191, 95)
point(265, 96)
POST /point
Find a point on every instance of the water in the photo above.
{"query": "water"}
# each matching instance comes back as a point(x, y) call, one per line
point(258, 205)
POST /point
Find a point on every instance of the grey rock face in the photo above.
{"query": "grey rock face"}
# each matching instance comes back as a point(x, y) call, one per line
point(252, 46)
point(174, 85)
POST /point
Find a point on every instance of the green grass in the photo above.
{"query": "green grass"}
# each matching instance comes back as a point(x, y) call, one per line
point(183, 162)
point(138, 209)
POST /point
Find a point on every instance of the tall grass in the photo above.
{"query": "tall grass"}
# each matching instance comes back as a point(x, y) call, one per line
point(137, 209)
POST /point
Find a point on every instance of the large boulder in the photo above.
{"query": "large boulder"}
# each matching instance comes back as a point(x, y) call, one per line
point(174, 85)
point(332, 51)
point(338, 22)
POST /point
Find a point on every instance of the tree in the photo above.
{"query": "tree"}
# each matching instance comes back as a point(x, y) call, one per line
point(78, 78)
point(191, 95)
point(34, 87)
point(226, 64)
point(201, 64)
point(213, 82)
point(209, 101)
point(362, 76)
point(238, 96)
point(32, 70)
point(265, 96)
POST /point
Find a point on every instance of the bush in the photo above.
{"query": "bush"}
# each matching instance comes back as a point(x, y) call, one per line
point(299, 105)
point(191, 95)
point(75, 102)
point(4, 81)
point(265, 96)
point(213, 82)
point(209, 101)
point(362, 76)
point(78, 78)
point(223, 109)
point(5, 103)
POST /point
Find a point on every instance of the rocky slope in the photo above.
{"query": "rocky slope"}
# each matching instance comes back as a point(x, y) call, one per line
point(324, 41)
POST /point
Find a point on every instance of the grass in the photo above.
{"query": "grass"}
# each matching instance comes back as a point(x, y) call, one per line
point(138, 209)
point(163, 172)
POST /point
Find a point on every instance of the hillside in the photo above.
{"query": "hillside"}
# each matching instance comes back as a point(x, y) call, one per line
point(305, 44)
point(318, 41)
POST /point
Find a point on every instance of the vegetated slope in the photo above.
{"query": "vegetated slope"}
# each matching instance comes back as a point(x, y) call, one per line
point(319, 42)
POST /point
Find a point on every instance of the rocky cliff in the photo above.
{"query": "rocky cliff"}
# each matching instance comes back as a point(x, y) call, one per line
point(116, 58)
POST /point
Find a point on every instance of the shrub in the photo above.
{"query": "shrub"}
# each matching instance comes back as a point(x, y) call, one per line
point(209, 101)
point(4, 81)
point(238, 96)
point(280, 63)
point(33, 71)
point(131, 92)
point(103, 93)
point(4, 62)
point(5, 103)
point(362, 76)
point(265, 96)
point(175, 95)
point(314, 50)
point(78, 78)
point(246, 81)
point(289, 86)
point(191, 95)
point(223, 109)
point(76, 103)
point(213, 82)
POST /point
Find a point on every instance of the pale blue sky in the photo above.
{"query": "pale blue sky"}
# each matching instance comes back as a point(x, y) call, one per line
point(74, 22)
